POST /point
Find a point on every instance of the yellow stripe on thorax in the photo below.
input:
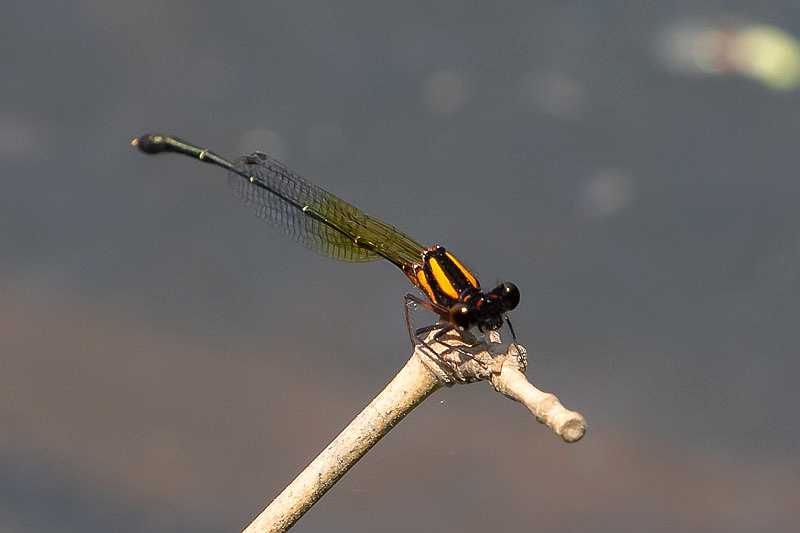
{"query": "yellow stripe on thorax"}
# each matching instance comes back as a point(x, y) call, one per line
point(467, 274)
point(441, 279)
point(425, 286)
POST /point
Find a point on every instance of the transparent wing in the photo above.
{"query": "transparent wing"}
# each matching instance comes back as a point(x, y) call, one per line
point(316, 218)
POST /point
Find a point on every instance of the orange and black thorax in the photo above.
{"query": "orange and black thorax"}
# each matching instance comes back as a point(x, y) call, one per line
point(456, 292)
point(442, 277)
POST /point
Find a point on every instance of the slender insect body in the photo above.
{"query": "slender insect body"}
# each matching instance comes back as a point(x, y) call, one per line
point(330, 226)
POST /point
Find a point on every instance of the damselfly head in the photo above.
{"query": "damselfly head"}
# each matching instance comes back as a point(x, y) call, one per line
point(490, 308)
point(508, 294)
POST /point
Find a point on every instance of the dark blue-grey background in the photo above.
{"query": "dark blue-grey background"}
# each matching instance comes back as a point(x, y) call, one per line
point(168, 362)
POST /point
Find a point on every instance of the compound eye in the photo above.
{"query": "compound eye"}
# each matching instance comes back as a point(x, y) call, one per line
point(509, 295)
point(460, 316)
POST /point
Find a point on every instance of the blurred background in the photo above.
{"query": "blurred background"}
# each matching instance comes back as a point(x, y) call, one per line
point(168, 362)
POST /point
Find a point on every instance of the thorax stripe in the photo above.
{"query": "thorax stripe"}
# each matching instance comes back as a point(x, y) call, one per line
point(422, 279)
point(442, 279)
point(466, 273)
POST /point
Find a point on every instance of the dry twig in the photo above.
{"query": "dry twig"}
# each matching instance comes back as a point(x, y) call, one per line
point(425, 372)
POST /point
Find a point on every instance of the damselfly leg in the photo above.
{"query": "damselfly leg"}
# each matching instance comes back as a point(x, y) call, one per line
point(421, 336)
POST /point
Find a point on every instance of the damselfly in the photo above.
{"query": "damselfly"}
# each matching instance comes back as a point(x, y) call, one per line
point(334, 228)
